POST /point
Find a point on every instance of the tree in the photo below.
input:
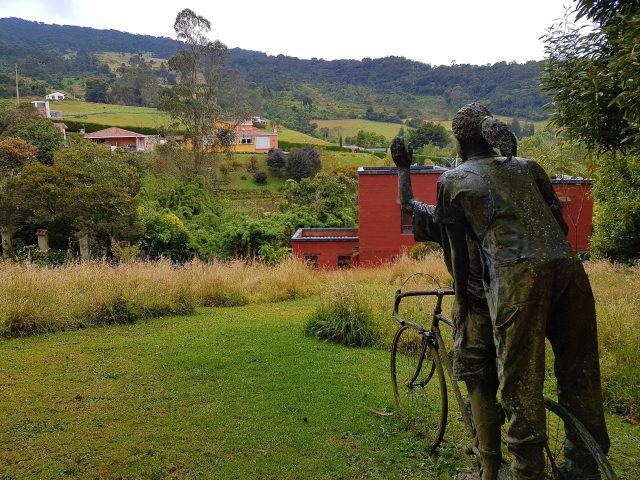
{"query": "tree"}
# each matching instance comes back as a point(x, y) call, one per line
point(515, 127)
point(429, 132)
point(303, 163)
point(194, 101)
point(39, 133)
point(96, 90)
point(276, 160)
point(593, 81)
point(15, 153)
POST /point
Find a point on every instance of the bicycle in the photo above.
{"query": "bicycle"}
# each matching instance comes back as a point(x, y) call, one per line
point(421, 395)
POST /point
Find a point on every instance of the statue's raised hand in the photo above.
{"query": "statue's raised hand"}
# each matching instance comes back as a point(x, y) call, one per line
point(402, 156)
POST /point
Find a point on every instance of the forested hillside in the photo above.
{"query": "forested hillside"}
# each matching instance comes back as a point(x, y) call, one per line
point(51, 52)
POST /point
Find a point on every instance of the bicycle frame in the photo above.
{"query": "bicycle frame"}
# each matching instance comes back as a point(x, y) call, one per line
point(434, 335)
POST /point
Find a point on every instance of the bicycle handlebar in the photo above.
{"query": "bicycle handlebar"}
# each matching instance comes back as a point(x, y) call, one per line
point(417, 293)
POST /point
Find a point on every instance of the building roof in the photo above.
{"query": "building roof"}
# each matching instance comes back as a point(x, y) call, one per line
point(251, 131)
point(114, 132)
point(394, 170)
point(325, 235)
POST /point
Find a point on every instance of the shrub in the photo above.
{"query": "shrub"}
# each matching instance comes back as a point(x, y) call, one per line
point(344, 318)
point(303, 163)
point(617, 221)
point(260, 177)
point(422, 249)
point(253, 165)
point(276, 160)
point(272, 255)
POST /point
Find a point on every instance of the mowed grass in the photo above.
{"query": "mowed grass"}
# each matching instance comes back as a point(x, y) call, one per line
point(351, 126)
point(112, 115)
point(226, 394)
point(293, 136)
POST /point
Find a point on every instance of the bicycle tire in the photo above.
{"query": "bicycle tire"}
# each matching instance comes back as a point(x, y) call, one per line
point(419, 386)
point(559, 421)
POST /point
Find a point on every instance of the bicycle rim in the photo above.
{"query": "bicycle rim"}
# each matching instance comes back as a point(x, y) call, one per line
point(419, 386)
point(560, 422)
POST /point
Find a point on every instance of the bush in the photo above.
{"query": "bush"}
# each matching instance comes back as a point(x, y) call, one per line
point(260, 177)
point(344, 318)
point(303, 163)
point(276, 160)
point(617, 221)
point(422, 249)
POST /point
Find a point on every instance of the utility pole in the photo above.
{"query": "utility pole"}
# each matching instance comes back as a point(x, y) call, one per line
point(17, 90)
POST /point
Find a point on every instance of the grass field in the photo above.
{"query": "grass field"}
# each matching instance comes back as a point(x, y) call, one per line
point(227, 393)
point(121, 115)
point(351, 126)
point(112, 115)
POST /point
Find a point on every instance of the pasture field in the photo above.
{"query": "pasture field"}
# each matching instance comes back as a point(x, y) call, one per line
point(228, 392)
point(121, 115)
point(112, 115)
point(351, 126)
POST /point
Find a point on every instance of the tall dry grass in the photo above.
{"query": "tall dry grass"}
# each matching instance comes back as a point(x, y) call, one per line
point(35, 300)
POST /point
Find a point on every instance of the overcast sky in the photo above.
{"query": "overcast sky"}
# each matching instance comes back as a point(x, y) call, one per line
point(431, 31)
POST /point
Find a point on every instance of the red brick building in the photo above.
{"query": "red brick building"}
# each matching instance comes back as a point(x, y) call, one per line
point(385, 232)
point(119, 138)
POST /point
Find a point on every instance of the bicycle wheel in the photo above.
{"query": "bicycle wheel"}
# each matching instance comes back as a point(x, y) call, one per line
point(418, 385)
point(560, 423)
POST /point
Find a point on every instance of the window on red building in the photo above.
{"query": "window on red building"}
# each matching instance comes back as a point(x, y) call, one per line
point(311, 260)
point(406, 222)
point(344, 261)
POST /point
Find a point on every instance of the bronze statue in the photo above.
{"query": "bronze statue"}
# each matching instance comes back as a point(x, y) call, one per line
point(516, 280)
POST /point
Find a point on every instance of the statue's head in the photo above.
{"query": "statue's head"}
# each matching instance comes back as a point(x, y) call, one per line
point(476, 130)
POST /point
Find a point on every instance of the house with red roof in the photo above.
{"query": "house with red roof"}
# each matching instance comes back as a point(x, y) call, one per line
point(119, 138)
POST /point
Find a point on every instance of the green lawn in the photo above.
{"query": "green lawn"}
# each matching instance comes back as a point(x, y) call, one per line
point(113, 115)
point(227, 393)
point(293, 136)
point(350, 126)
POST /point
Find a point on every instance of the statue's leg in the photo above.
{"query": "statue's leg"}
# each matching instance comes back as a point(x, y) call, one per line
point(475, 363)
point(521, 295)
point(573, 335)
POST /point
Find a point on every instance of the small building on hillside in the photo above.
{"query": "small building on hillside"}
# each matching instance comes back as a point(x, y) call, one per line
point(62, 128)
point(248, 138)
point(119, 138)
point(44, 110)
point(385, 231)
point(54, 96)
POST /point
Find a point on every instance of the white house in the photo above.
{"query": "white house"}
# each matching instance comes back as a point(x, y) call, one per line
point(54, 96)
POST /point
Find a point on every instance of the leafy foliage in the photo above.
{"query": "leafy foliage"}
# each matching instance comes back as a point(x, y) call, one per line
point(428, 132)
point(594, 83)
point(39, 133)
point(617, 218)
point(367, 139)
point(302, 163)
point(96, 90)
point(15, 153)
point(276, 160)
